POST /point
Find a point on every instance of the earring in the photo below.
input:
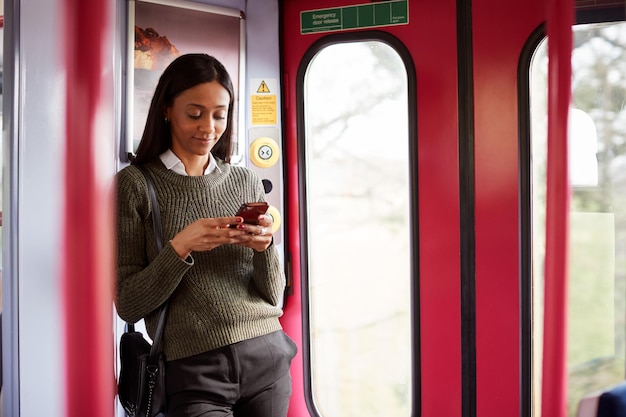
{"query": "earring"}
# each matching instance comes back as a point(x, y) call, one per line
point(167, 120)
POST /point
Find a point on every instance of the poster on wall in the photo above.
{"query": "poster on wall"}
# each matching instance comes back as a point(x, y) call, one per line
point(160, 31)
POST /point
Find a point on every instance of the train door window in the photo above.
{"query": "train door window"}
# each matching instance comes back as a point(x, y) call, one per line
point(358, 231)
point(597, 230)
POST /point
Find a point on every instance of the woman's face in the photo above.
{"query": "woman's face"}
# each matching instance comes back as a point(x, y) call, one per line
point(198, 119)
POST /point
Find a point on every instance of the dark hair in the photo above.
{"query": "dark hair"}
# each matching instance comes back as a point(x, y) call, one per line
point(183, 73)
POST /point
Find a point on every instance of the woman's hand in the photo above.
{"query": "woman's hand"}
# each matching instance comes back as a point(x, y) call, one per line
point(257, 237)
point(207, 234)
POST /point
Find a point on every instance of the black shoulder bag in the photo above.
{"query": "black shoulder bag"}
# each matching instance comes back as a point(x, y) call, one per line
point(141, 384)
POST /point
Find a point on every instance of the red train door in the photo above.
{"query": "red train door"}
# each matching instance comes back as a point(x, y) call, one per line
point(403, 221)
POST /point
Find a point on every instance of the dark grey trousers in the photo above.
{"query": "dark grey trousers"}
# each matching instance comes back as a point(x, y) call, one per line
point(246, 379)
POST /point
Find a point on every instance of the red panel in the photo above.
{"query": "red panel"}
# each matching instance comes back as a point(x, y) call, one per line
point(436, 67)
point(500, 32)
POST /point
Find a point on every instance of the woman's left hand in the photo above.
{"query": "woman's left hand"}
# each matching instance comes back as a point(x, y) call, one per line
point(259, 237)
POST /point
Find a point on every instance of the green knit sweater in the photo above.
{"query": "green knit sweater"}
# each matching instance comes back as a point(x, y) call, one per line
point(217, 297)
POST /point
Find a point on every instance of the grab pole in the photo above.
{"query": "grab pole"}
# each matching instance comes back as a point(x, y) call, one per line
point(554, 367)
point(88, 260)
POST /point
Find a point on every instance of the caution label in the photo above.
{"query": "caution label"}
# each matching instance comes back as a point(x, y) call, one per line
point(263, 88)
point(264, 102)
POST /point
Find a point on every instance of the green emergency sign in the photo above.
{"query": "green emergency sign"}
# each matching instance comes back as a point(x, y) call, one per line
point(355, 17)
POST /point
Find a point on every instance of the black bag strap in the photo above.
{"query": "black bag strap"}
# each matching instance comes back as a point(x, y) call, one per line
point(156, 212)
point(158, 233)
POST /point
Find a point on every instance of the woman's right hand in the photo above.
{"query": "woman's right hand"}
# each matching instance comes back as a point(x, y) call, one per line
point(206, 234)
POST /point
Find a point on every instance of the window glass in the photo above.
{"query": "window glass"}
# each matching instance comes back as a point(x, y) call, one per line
point(358, 225)
point(597, 229)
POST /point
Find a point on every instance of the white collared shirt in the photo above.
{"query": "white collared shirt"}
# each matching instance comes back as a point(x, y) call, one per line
point(171, 161)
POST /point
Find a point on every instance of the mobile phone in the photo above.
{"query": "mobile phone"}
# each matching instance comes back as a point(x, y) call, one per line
point(251, 211)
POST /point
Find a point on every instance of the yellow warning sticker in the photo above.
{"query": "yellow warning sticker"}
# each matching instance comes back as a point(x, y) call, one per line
point(263, 109)
point(263, 101)
point(263, 88)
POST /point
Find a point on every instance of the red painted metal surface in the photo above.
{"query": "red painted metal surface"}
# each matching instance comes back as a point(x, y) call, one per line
point(500, 32)
point(88, 234)
point(436, 67)
point(554, 373)
point(431, 38)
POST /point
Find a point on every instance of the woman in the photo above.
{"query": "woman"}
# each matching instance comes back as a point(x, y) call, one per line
point(225, 349)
